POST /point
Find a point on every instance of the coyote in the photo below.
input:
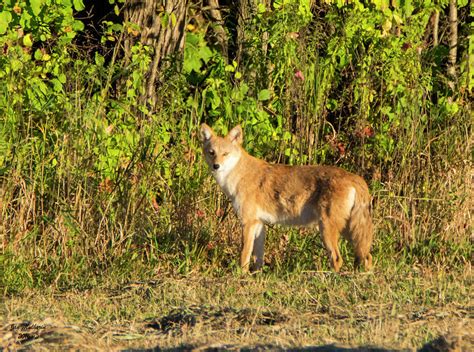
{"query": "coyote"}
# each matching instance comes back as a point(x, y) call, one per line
point(262, 193)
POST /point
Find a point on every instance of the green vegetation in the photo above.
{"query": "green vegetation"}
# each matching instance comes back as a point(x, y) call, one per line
point(102, 182)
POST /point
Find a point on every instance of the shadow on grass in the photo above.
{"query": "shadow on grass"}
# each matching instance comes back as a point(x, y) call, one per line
point(323, 348)
point(440, 344)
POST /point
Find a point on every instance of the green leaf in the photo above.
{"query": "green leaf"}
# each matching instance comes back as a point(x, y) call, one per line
point(79, 5)
point(25, 19)
point(397, 18)
point(78, 25)
point(36, 6)
point(38, 54)
point(244, 88)
point(407, 7)
point(16, 65)
point(164, 20)
point(191, 64)
point(27, 41)
point(62, 78)
point(192, 39)
point(264, 94)
point(5, 19)
point(173, 19)
point(99, 59)
point(57, 86)
point(195, 50)
point(205, 53)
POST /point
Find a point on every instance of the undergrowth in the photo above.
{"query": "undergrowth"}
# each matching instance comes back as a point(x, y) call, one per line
point(96, 183)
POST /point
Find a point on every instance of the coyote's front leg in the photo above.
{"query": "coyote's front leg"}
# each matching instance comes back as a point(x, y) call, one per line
point(258, 247)
point(253, 236)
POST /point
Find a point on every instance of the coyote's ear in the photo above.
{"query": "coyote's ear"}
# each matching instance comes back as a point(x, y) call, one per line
point(206, 132)
point(236, 135)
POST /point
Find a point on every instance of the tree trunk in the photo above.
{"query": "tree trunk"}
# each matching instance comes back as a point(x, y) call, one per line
point(436, 28)
point(161, 26)
point(453, 38)
point(220, 33)
point(245, 12)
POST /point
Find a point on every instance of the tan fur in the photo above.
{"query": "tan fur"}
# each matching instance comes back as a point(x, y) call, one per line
point(335, 200)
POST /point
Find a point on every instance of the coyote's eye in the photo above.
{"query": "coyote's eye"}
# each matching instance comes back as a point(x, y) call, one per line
point(211, 152)
point(225, 154)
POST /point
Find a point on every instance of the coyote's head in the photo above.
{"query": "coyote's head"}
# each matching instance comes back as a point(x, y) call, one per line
point(221, 153)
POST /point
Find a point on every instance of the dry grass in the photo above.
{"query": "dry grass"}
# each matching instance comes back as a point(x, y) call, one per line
point(392, 310)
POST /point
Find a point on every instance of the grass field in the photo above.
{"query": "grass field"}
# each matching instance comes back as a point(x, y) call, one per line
point(394, 307)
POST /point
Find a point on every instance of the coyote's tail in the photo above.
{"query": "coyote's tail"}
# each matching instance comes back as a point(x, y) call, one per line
point(360, 226)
